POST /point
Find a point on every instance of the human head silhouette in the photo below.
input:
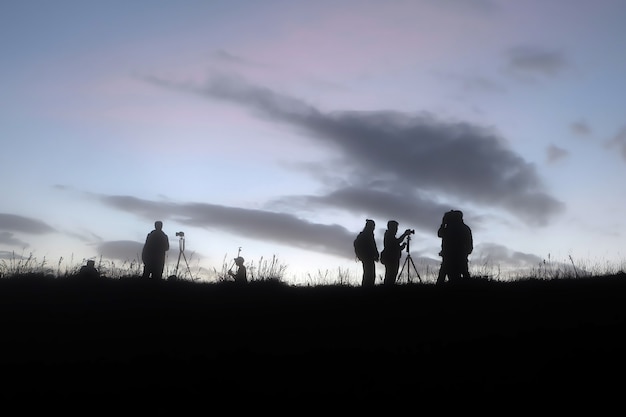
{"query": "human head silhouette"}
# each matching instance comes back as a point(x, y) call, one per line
point(158, 225)
point(392, 225)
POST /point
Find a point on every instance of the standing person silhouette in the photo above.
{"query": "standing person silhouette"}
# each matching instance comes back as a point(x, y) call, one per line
point(366, 251)
point(240, 276)
point(456, 245)
point(393, 251)
point(153, 253)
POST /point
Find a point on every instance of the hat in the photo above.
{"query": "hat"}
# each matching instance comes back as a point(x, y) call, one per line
point(239, 259)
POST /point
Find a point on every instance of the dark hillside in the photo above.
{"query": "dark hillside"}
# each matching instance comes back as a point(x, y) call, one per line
point(163, 342)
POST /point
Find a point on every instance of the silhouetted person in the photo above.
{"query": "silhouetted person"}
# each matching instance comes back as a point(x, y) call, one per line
point(393, 251)
point(366, 251)
point(89, 270)
point(240, 276)
point(153, 254)
point(456, 245)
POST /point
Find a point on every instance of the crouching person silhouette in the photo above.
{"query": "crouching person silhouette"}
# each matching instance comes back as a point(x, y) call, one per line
point(456, 245)
point(89, 271)
point(153, 253)
point(240, 276)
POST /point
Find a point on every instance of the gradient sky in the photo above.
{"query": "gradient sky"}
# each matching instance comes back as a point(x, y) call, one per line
point(278, 127)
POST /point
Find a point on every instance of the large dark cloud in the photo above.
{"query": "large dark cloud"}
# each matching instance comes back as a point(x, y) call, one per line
point(392, 151)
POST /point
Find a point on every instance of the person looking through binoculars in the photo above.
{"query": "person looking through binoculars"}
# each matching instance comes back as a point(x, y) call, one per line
point(392, 251)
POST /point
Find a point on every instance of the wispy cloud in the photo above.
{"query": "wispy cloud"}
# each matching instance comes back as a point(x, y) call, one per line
point(619, 141)
point(531, 61)
point(580, 128)
point(555, 153)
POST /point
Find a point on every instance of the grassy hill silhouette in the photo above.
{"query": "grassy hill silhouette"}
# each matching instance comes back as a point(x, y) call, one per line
point(171, 343)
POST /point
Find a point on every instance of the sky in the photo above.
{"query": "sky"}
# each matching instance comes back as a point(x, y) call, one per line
point(274, 129)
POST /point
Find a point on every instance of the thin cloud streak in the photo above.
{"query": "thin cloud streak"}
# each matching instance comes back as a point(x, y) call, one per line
point(534, 60)
point(15, 223)
point(266, 226)
point(123, 250)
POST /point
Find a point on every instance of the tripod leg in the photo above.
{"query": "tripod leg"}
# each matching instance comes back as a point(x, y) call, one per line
point(177, 263)
point(402, 270)
point(187, 263)
point(415, 269)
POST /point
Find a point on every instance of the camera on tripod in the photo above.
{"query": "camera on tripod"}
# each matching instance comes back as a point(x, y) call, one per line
point(410, 231)
point(181, 234)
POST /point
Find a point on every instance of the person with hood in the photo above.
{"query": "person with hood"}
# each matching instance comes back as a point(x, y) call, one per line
point(366, 251)
point(456, 245)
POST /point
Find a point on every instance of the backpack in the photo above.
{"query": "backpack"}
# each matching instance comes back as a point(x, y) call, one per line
point(383, 257)
point(359, 246)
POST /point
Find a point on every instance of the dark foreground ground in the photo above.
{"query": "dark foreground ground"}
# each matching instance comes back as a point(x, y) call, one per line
point(166, 347)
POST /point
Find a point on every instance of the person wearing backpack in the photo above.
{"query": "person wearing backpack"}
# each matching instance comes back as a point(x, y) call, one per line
point(457, 244)
point(366, 251)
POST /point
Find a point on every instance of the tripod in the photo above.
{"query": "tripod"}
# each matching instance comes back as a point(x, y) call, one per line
point(408, 260)
point(181, 252)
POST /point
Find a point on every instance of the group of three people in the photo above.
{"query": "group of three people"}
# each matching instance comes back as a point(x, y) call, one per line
point(456, 245)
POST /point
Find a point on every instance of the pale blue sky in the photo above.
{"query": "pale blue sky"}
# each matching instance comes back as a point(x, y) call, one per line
point(280, 126)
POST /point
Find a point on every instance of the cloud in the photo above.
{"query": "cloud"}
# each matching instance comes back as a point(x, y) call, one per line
point(15, 223)
point(410, 209)
point(491, 254)
point(408, 153)
point(555, 153)
point(488, 255)
point(619, 142)
point(267, 226)
point(472, 83)
point(525, 61)
point(228, 58)
point(123, 250)
point(7, 238)
point(10, 255)
point(580, 128)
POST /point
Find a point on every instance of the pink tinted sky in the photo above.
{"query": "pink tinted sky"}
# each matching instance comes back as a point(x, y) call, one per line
point(274, 127)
